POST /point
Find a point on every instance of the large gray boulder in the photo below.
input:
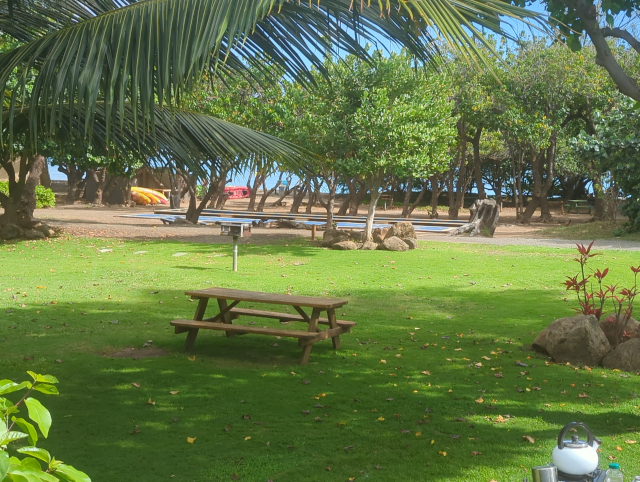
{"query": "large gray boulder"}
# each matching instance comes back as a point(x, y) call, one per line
point(345, 246)
point(33, 234)
point(369, 246)
point(378, 234)
point(403, 229)
point(624, 357)
point(394, 244)
point(577, 340)
point(411, 242)
point(333, 236)
point(10, 231)
point(608, 326)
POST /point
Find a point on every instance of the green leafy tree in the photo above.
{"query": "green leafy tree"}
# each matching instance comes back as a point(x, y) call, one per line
point(375, 120)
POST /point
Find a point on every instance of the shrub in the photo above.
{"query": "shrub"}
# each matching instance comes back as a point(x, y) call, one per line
point(45, 198)
point(15, 431)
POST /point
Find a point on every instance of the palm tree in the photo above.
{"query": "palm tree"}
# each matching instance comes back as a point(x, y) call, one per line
point(114, 71)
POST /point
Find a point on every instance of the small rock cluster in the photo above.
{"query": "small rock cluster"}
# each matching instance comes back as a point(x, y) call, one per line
point(582, 340)
point(399, 237)
point(38, 230)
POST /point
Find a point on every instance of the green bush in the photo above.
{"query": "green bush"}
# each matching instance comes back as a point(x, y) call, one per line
point(18, 436)
point(44, 196)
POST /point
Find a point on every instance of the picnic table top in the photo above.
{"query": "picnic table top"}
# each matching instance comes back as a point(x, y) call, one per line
point(272, 298)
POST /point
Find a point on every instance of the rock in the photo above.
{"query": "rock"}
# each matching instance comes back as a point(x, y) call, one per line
point(403, 229)
point(540, 343)
point(345, 245)
point(625, 356)
point(394, 244)
point(45, 229)
point(333, 236)
point(10, 231)
point(577, 340)
point(33, 234)
point(369, 246)
point(379, 234)
point(411, 242)
point(608, 326)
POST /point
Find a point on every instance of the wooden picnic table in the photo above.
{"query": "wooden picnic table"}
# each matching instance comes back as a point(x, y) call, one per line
point(228, 300)
point(578, 204)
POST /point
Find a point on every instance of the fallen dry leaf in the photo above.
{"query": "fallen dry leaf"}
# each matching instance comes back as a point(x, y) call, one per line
point(444, 454)
point(191, 439)
point(529, 439)
point(583, 395)
point(630, 442)
point(174, 392)
point(191, 358)
point(136, 384)
point(151, 402)
point(475, 452)
point(426, 372)
point(479, 400)
point(619, 449)
point(247, 438)
point(380, 419)
point(383, 361)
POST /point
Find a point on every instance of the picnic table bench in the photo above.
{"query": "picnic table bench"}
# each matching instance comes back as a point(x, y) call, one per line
point(228, 299)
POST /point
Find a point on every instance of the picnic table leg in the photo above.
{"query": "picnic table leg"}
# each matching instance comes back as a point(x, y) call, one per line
point(193, 333)
point(313, 324)
point(333, 323)
point(226, 318)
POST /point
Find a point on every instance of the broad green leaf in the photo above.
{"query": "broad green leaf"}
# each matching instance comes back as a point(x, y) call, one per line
point(4, 464)
point(36, 452)
point(27, 427)
point(42, 378)
point(39, 415)
point(46, 388)
point(67, 472)
point(17, 476)
point(12, 386)
point(7, 437)
point(30, 464)
point(5, 403)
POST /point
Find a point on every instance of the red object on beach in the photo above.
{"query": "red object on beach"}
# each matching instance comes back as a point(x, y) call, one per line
point(237, 192)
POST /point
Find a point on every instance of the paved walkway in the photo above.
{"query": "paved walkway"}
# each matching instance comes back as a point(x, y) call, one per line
point(541, 242)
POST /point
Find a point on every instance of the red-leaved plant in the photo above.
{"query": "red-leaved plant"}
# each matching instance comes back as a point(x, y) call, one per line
point(593, 302)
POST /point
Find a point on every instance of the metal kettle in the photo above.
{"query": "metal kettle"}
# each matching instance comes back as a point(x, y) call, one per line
point(575, 456)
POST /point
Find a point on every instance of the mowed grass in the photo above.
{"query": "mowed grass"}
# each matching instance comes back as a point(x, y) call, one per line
point(419, 416)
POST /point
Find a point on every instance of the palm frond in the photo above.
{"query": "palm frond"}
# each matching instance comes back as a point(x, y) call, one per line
point(188, 138)
point(146, 53)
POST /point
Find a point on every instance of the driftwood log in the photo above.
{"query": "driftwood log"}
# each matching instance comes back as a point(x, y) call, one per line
point(483, 219)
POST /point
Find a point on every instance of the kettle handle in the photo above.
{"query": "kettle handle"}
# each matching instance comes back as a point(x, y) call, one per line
point(570, 426)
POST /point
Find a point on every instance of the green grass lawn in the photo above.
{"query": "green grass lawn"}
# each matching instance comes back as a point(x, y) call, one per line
point(382, 408)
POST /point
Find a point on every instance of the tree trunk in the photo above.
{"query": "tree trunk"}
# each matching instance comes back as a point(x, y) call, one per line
point(74, 182)
point(371, 212)
point(407, 198)
point(14, 211)
point(99, 177)
point(541, 184)
point(266, 193)
point(436, 189)
point(45, 178)
point(477, 167)
point(483, 219)
point(458, 181)
point(298, 197)
point(258, 179)
point(28, 198)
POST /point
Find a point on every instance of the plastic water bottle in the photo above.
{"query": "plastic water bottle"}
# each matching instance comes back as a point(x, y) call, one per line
point(614, 474)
